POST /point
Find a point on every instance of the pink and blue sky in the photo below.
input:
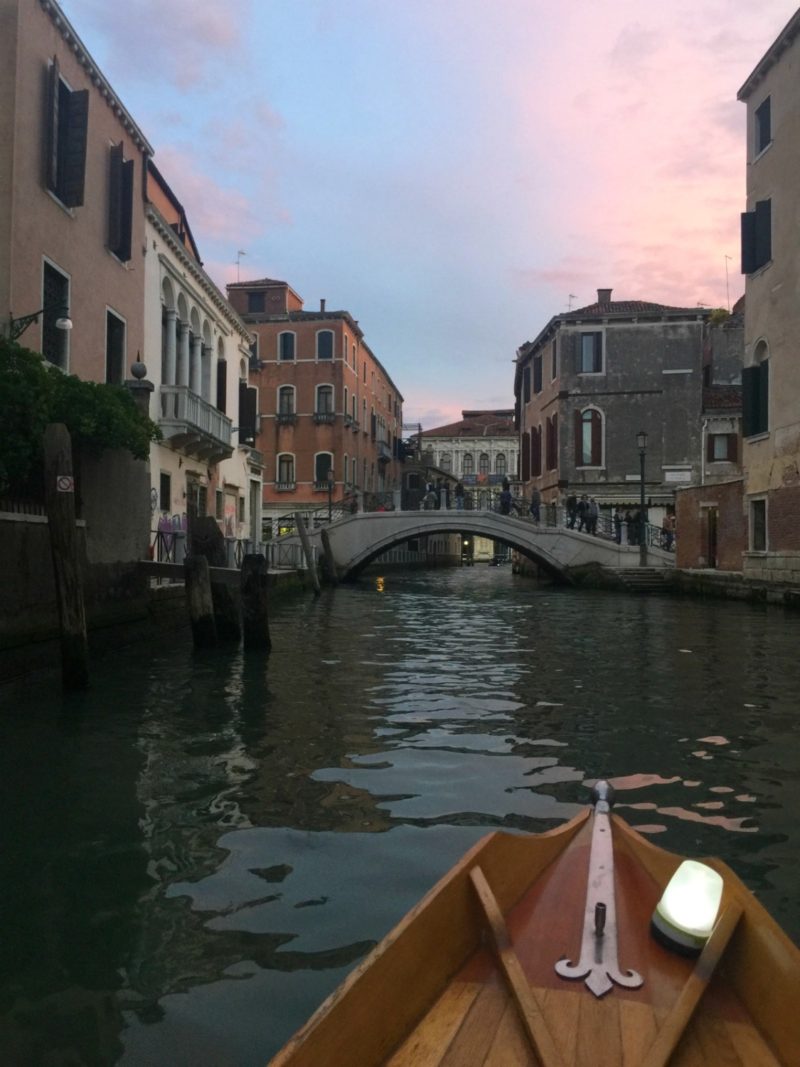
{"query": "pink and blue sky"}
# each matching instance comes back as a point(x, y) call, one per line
point(451, 172)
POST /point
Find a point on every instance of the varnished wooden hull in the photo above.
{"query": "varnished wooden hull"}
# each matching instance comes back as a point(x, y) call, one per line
point(450, 987)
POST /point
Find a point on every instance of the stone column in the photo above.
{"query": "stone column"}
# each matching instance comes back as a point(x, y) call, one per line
point(183, 353)
point(170, 354)
point(195, 368)
point(207, 377)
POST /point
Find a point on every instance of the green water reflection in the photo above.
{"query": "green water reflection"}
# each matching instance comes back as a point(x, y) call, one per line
point(199, 849)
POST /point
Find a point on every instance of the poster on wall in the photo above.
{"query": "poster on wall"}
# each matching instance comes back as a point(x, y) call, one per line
point(229, 518)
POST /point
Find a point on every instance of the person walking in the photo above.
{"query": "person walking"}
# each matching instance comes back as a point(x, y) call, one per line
point(505, 500)
point(459, 494)
point(536, 505)
point(572, 511)
point(618, 525)
point(592, 515)
point(583, 512)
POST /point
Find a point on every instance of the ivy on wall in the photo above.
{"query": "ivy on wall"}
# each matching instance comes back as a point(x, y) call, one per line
point(33, 394)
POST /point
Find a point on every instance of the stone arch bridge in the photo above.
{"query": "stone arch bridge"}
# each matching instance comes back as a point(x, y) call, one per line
point(358, 539)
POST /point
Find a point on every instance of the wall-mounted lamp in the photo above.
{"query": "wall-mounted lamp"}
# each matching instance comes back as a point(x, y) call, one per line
point(685, 915)
point(17, 327)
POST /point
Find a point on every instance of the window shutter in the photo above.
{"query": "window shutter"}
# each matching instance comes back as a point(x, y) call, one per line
point(763, 232)
point(748, 242)
point(115, 197)
point(597, 439)
point(247, 414)
point(710, 448)
point(598, 353)
point(51, 126)
point(732, 448)
point(222, 383)
point(126, 232)
point(526, 456)
point(578, 439)
point(750, 376)
point(74, 163)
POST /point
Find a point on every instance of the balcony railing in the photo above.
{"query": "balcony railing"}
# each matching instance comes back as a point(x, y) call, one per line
point(193, 425)
point(354, 425)
point(384, 452)
point(324, 416)
point(284, 487)
point(286, 418)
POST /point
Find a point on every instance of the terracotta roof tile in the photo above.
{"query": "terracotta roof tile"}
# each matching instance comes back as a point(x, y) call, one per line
point(628, 307)
point(722, 398)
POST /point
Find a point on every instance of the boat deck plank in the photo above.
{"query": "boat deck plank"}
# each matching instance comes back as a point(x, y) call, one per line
point(511, 1047)
point(476, 1035)
point(426, 1045)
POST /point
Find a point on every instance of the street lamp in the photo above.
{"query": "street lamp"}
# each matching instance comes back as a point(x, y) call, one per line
point(330, 492)
point(17, 327)
point(641, 441)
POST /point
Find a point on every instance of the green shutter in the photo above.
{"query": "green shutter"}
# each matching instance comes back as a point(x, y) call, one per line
point(74, 162)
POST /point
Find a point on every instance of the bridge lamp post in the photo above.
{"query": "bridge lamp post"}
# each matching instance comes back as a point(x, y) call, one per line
point(641, 441)
point(330, 492)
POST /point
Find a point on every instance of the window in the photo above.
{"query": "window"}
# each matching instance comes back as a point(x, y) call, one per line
point(757, 237)
point(763, 126)
point(537, 373)
point(591, 361)
point(325, 344)
point(55, 298)
point(115, 349)
point(346, 467)
point(469, 463)
point(255, 303)
point(526, 456)
point(354, 407)
point(165, 492)
point(286, 469)
point(526, 385)
point(323, 462)
point(219, 506)
point(483, 463)
point(241, 509)
point(500, 465)
point(758, 526)
point(120, 204)
point(324, 404)
point(222, 385)
point(553, 360)
point(446, 462)
point(588, 438)
point(254, 350)
point(248, 414)
point(286, 400)
point(755, 394)
point(67, 122)
point(285, 346)
point(721, 448)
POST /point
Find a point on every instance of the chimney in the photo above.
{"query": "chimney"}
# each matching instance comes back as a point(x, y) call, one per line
point(322, 305)
point(603, 296)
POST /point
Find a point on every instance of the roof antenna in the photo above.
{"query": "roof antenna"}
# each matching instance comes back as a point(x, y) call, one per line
point(571, 298)
point(239, 255)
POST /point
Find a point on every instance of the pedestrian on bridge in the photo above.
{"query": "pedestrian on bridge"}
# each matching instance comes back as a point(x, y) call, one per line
point(536, 505)
point(459, 494)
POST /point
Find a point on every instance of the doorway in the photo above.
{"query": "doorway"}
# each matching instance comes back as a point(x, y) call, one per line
point(712, 529)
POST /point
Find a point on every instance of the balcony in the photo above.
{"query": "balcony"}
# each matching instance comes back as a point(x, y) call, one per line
point(285, 487)
point(354, 425)
point(286, 418)
point(384, 452)
point(325, 417)
point(194, 426)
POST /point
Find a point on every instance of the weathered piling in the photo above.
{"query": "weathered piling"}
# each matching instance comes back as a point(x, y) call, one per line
point(200, 601)
point(207, 541)
point(59, 485)
point(299, 522)
point(255, 619)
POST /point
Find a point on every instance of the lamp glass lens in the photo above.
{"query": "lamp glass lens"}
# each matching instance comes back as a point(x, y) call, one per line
point(691, 900)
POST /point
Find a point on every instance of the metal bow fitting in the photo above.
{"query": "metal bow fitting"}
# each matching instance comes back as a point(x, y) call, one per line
point(598, 962)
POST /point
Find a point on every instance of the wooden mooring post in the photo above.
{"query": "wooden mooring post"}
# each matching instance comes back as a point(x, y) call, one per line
point(59, 484)
point(330, 562)
point(255, 619)
point(200, 601)
point(299, 522)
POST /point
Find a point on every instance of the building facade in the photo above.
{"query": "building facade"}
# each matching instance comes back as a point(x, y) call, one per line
point(771, 265)
point(72, 214)
point(480, 451)
point(591, 381)
point(197, 353)
point(330, 414)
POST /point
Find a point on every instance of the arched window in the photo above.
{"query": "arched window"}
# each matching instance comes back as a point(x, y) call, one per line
point(286, 400)
point(345, 467)
point(324, 404)
point(323, 463)
point(286, 470)
point(285, 346)
point(588, 438)
point(325, 344)
point(469, 463)
point(446, 462)
point(755, 392)
point(346, 408)
point(483, 463)
point(500, 465)
point(354, 406)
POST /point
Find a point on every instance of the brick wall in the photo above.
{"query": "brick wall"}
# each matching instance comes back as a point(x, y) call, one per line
point(693, 526)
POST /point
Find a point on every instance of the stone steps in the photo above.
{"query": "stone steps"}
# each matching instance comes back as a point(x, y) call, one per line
point(644, 579)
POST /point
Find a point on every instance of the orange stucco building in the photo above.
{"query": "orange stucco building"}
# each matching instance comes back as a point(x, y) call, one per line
point(326, 404)
point(72, 217)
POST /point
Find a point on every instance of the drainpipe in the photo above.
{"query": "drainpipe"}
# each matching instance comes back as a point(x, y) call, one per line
point(703, 445)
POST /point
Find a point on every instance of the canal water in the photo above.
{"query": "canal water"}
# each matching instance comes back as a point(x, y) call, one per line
point(198, 850)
